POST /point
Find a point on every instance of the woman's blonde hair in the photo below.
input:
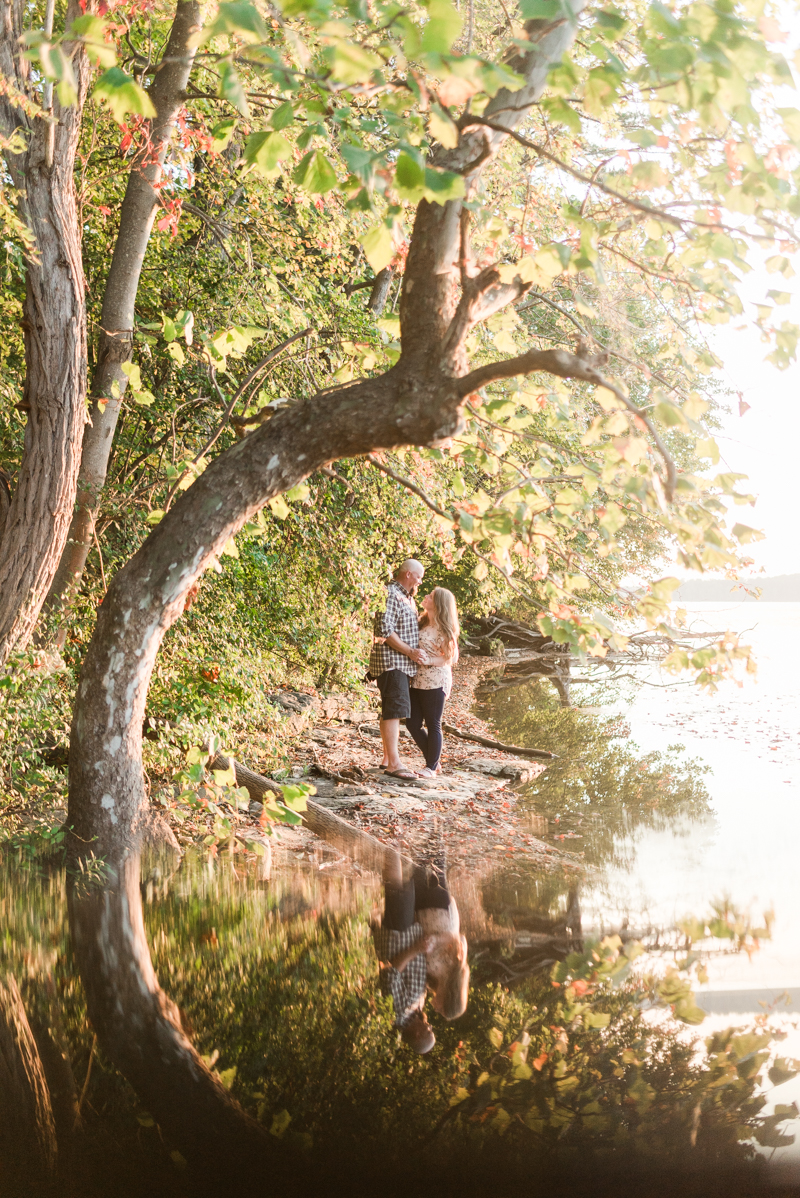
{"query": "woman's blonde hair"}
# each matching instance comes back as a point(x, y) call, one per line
point(444, 605)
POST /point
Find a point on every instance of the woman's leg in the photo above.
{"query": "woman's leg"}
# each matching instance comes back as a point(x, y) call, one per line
point(433, 708)
point(414, 721)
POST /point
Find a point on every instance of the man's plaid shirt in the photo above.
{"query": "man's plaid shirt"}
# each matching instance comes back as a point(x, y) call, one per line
point(406, 987)
point(400, 617)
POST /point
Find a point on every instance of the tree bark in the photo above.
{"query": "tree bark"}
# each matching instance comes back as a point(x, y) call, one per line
point(139, 207)
point(54, 320)
point(380, 290)
point(28, 1150)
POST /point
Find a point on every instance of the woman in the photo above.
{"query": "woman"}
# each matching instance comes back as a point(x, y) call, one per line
point(431, 685)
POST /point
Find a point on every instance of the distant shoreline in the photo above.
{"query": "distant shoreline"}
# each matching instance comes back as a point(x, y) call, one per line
point(784, 588)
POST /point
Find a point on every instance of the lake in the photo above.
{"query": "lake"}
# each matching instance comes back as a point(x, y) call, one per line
point(574, 1061)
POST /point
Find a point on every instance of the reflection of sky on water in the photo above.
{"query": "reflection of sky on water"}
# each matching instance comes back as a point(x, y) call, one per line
point(749, 737)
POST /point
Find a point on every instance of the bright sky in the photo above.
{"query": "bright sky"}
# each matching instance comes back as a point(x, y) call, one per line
point(765, 442)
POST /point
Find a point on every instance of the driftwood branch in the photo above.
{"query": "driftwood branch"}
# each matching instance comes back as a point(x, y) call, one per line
point(351, 841)
point(517, 750)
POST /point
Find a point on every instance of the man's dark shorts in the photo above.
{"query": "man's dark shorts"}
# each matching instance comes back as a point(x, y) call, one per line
point(395, 698)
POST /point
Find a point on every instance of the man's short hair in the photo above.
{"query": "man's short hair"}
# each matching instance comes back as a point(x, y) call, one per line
point(410, 563)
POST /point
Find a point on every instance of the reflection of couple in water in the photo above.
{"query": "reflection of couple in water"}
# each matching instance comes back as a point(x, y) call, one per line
point(420, 948)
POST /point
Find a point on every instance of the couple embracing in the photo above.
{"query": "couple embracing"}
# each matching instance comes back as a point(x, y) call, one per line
point(411, 661)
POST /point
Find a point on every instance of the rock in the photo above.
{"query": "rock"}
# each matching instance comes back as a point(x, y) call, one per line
point(517, 771)
point(255, 807)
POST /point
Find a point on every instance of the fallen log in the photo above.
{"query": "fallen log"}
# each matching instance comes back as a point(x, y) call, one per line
point(353, 842)
point(518, 750)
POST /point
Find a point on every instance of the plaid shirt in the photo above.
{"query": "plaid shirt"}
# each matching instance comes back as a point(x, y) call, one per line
point(406, 987)
point(400, 617)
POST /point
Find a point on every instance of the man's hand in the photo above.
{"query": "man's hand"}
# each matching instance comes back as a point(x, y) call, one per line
point(418, 656)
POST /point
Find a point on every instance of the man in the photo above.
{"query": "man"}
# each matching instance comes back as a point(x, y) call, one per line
point(394, 658)
point(401, 948)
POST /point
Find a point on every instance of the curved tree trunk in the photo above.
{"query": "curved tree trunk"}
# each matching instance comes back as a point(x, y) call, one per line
point(37, 520)
point(140, 1029)
point(28, 1150)
point(139, 207)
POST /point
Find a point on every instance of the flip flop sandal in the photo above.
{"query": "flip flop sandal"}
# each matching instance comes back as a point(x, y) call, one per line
point(402, 775)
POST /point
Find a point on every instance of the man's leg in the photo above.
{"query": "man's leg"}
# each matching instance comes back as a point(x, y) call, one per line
point(395, 706)
point(390, 734)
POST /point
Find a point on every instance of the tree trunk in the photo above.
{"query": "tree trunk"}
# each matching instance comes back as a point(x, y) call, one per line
point(380, 290)
point(28, 1150)
point(54, 321)
point(139, 207)
point(140, 1029)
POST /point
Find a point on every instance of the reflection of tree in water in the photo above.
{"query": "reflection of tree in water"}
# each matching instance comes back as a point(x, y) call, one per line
point(284, 1001)
point(600, 787)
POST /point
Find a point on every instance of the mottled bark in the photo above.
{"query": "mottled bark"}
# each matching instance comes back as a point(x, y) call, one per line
point(380, 290)
point(28, 1150)
point(139, 208)
point(54, 322)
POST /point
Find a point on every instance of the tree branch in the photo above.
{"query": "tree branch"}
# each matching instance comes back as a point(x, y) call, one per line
point(569, 366)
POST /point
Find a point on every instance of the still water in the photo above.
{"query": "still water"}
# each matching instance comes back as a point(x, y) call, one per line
point(240, 1041)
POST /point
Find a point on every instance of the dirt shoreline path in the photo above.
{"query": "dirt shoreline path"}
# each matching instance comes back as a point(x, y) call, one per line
point(471, 810)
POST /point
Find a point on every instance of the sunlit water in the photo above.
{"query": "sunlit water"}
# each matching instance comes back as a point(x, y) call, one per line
point(750, 849)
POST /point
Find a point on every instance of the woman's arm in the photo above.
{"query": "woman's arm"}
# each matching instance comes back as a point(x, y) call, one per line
point(402, 959)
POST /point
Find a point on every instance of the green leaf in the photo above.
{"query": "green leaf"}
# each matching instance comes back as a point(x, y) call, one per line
point(349, 63)
point(315, 173)
point(542, 10)
point(231, 88)
point(264, 151)
point(496, 1037)
point(282, 116)
point(91, 30)
point(235, 17)
point(442, 27)
point(222, 133)
point(378, 246)
point(123, 95)
point(596, 1019)
point(441, 186)
point(279, 507)
point(443, 128)
point(409, 178)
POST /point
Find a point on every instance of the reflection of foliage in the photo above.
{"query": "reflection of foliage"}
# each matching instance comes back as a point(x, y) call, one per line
point(284, 1004)
point(598, 784)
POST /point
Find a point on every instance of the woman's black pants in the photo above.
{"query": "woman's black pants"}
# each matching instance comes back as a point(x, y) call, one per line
point(427, 708)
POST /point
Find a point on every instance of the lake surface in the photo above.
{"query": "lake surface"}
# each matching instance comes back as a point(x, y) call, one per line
point(579, 1064)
